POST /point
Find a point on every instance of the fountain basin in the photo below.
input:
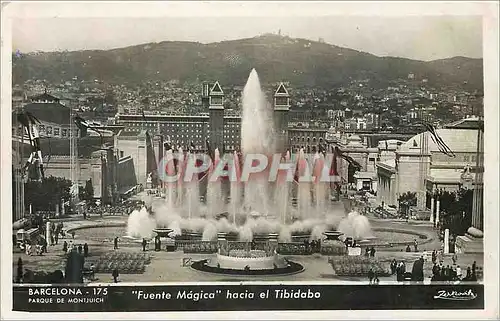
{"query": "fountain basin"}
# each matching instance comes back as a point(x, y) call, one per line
point(252, 260)
point(332, 235)
point(189, 236)
point(163, 232)
point(233, 236)
point(291, 268)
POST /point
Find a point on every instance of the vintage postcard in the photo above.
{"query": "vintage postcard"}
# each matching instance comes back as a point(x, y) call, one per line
point(249, 160)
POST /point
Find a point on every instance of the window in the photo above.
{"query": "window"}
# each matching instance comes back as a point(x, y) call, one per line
point(371, 159)
point(49, 130)
point(64, 132)
point(466, 158)
point(121, 153)
point(56, 131)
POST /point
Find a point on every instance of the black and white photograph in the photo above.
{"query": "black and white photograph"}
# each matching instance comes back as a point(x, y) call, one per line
point(248, 157)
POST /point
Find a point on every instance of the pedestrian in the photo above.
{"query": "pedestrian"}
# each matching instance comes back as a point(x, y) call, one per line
point(434, 257)
point(448, 274)
point(73, 235)
point(65, 247)
point(398, 272)
point(474, 267)
point(415, 244)
point(393, 266)
point(367, 252)
point(459, 273)
point(92, 271)
point(371, 276)
point(51, 239)
point(20, 270)
point(144, 243)
point(454, 259)
point(473, 277)
point(80, 249)
point(372, 252)
point(408, 248)
point(85, 250)
point(44, 245)
point(115, 275)
point(440, 256)
point(435, 270)
point(116, 243)
point(56, 237)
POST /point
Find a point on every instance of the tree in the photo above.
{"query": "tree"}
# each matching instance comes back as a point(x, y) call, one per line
point(45, 195)
point(88, 191)
point(456, 208)
point(407, 200)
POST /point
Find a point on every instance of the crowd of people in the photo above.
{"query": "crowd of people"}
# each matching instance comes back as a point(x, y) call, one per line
point(453, 272)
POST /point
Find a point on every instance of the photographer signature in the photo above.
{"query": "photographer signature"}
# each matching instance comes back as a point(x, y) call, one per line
point(456, 295)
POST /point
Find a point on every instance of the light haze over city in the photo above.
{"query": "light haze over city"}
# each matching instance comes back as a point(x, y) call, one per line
point(416, 37)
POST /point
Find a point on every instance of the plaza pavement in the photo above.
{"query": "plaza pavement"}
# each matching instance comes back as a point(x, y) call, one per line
point(167, 266)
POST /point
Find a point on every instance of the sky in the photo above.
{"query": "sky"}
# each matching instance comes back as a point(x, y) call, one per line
point(415, 37)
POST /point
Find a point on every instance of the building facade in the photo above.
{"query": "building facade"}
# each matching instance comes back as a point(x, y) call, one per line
point(221, 128)
point(419, 166)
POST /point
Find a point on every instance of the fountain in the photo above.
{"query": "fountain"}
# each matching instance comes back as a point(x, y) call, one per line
point(298, 210)
point(163, 232)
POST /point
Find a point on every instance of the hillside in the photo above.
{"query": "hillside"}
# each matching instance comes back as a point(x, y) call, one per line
point(300, 61)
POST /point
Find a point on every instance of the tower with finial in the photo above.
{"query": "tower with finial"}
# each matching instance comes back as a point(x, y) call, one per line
point(216, 122)
point(281, 109)
point(205, 95)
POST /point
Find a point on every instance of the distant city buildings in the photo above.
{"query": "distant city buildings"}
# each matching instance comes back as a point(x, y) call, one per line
point(372, 125)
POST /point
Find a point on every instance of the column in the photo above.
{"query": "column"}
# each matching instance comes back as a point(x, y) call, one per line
point(438, 203)
point(222, 244)
point(31, 209)
point(432, 210)
point(47, 233)
point(273, 243)
point(63, 210)
point(57, 210)
point(447, 241)
point(392, 190)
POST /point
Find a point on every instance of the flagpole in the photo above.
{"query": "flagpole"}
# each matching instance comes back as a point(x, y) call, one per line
point(20, 174)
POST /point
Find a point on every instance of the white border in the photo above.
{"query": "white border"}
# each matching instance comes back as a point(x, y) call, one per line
point(489, 12)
